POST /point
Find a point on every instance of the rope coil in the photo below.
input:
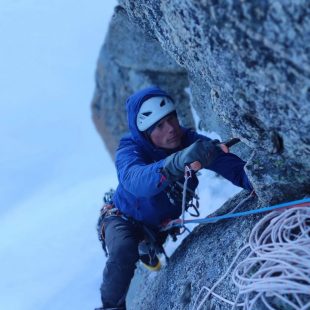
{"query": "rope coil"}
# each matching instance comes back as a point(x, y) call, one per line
point(277, 269)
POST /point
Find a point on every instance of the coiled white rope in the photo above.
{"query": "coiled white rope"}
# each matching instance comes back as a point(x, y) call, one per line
point(277, 269)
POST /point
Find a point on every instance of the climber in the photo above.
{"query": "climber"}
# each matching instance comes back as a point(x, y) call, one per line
point(149, 161)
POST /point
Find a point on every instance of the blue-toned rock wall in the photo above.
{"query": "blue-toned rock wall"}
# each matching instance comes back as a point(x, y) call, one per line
point(246, 66)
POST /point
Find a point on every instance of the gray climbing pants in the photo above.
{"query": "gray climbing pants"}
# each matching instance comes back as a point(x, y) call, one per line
point(122, 239)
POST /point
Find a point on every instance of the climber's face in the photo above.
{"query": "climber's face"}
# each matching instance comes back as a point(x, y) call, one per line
point(167, 133)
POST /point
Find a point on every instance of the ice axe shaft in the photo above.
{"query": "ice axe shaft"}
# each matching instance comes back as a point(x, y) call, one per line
point(231, 142)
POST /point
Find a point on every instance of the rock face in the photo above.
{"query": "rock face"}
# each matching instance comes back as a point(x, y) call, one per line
point(247, 66)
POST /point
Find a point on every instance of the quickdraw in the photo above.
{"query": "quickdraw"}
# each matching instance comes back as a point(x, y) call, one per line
point(193, 203)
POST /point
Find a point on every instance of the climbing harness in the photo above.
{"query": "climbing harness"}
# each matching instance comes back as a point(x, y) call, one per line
point(150, 237)
point(108, 209)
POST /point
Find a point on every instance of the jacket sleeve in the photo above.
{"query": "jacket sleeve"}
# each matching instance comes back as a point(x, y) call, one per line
point(231, 167)
point(138, 177)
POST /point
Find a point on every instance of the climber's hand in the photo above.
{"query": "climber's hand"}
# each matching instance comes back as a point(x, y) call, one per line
point(202, 151)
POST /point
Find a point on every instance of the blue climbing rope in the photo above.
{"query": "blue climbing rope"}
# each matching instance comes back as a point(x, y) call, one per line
point(207, 220)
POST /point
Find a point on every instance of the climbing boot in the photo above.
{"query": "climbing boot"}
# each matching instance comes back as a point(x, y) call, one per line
point(150, 262)
point(148, 257)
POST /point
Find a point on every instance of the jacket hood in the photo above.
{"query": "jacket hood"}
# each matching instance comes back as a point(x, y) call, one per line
point(133, 105)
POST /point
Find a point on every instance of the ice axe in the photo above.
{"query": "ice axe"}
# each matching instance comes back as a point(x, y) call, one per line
point(231, 142)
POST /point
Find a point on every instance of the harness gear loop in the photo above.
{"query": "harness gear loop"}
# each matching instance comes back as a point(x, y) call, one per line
point(150, 237)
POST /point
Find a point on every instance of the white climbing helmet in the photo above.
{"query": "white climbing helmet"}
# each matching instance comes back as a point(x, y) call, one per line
point(152, 110)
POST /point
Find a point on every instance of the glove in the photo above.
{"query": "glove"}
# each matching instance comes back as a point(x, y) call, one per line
point(204, 151)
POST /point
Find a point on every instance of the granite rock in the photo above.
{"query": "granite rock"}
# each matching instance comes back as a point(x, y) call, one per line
point(250, 62)
point(244, 67)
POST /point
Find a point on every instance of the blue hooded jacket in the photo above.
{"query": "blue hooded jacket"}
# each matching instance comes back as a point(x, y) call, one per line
point(141, 192)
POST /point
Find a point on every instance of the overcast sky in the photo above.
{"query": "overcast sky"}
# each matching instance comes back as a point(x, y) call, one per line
point(54, 167)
